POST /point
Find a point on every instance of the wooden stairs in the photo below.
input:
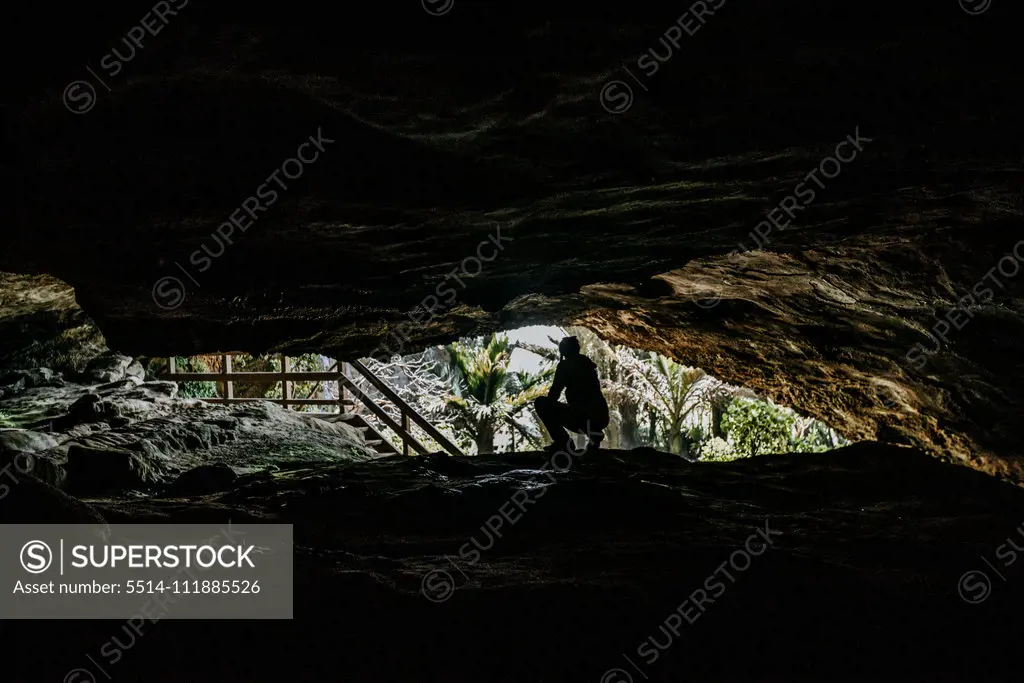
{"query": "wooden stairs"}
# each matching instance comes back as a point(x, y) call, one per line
point(374, 439)
point(350, 396)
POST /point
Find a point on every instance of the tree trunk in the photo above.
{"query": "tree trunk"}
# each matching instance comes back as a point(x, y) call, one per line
point(612, 434)
point(675, 441)
point(716, 419)
point(485, 439)
point(629, 426)
point(652, 416)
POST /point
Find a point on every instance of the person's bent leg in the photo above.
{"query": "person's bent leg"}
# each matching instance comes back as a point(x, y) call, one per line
point(553, 415)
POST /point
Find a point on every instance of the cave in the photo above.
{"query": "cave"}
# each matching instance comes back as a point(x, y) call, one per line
point(821, 203)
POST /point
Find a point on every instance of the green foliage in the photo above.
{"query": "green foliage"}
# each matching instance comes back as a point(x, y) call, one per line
point(5, 420)
point(484, 396)
point(307, 362)
point(717, 449)
point(194, 389)
point(757, 427)
point(469, 391)
point(811, 436)
point(671, 390)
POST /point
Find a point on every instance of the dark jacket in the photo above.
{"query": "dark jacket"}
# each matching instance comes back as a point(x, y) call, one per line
point(577, 374)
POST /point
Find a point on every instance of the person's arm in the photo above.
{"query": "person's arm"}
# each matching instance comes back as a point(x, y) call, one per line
point(558, 383)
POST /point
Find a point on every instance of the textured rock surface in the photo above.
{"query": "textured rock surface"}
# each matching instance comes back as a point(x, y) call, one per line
point(111, 366)
point(26, 500)
point(42, 326)
point(131, 434)
point(868, 545)
point(443, 127)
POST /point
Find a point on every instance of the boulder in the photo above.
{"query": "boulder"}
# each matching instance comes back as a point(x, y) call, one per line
point(26, 500)
point(11, 384)
point(136, 370)
point(129, 382)
point(91, 408)
point(204, 479)
point(98, 470)
point(108, 367)
point(24, 452)
point(24, 441)
point(152, 390)
point(28, 379)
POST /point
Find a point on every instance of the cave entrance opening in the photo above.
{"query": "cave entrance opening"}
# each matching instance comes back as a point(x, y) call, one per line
point(481, 390)
point(476, 395)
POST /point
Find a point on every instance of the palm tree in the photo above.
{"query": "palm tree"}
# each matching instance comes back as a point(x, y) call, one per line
point(522, 388)
point(484, 395)
point(669, 390)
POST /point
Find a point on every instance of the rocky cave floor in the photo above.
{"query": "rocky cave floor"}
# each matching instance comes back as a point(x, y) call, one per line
point(869, 547)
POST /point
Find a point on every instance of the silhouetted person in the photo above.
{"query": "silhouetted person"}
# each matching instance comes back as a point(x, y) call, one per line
point(586, 411)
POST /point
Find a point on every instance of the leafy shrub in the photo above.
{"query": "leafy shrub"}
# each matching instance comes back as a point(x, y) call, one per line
point(717, 449)
point(757, 427)
point(194, 389)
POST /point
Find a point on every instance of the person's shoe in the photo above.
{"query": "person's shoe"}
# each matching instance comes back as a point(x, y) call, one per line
point(550, 449)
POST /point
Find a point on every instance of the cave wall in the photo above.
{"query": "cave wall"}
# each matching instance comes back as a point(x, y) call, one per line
point(659, 225)
point(41, 325)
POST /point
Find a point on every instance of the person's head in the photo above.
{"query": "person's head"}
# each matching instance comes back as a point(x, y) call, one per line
point(569, 346)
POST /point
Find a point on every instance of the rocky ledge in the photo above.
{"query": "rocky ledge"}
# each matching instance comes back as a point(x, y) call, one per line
point(864, 563)
point(111, 430)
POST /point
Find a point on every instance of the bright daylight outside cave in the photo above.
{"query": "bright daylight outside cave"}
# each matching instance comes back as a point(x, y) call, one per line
point(487, 342)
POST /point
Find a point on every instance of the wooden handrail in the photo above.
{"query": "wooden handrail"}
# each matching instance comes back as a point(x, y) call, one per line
point(256, 377)
point(407, 438)
point(420, 421)
point(285, 376)
point(280, 401)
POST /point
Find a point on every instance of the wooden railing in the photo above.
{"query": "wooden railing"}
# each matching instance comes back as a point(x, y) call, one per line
point(407, 411)
point(346, 386)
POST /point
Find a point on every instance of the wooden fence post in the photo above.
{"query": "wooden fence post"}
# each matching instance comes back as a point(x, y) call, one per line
point(229, 390)
point(286, 385)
